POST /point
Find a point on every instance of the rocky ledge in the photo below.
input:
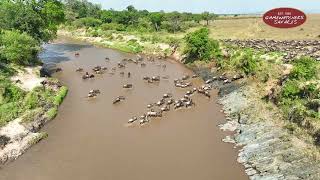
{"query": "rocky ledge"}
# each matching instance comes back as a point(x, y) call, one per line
point(268, 151)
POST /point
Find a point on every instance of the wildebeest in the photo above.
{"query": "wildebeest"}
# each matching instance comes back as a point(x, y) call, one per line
point(155, 78)
point(127, 86)
point(132, 120)
point(87, 76)
point(118, 99)
point(79, 69)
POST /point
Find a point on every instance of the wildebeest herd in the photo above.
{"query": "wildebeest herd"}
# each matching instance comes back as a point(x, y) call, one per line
point(167, 102)
point(290, 48)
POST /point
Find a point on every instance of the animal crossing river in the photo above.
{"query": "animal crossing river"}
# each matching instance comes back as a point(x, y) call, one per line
point(92, 139)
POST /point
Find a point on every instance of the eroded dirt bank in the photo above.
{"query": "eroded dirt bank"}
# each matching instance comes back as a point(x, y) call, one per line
point(90, 139)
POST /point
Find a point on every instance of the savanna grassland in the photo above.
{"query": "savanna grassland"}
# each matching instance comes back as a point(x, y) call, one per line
point(254, 28)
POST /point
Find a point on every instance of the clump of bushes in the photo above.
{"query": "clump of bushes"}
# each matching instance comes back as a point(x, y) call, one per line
point(304, 68)
point(16, 102)
point(18, 48)
point(299, 97)
point(245, 60)
point(87, 22)
point(200, 46)
point(113, 26)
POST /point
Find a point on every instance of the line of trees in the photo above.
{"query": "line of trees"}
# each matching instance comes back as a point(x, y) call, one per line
point(83, 13)
point(25, 24)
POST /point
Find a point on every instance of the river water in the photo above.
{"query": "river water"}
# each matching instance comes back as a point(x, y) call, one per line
point(90, 139)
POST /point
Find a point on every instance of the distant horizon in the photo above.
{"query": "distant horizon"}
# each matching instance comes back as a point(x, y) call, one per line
point(226, 7)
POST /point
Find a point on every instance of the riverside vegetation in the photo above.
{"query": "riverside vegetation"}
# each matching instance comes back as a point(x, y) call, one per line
point(25, 103)
point(285, 88)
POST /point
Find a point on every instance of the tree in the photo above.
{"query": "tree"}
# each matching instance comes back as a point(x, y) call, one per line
point(83, 8)
point(107, 16)
point(37, 18)
point(174, 19)
point(200, 46)
point(131, 9)
point(197, 18)
point(19, 48)
point(208, 17)
point(87, 22)
point(156, 19)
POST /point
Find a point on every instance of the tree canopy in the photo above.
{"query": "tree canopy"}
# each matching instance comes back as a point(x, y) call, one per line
point(39, 19)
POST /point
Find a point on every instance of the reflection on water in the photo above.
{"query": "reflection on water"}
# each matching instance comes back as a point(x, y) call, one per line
point(90, 139)
point(53, 53)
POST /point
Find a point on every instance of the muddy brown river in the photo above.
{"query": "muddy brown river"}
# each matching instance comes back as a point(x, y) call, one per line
point(91, 140)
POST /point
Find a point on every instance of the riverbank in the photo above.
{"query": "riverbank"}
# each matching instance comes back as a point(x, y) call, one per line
point(28, 101)
point(269, 149)
point(162, 47)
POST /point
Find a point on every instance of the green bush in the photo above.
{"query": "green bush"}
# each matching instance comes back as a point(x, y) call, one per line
point(245, 60)
point(10, 92)
point(8, 112)
point(31, 100)
point(113, 26)
point(304, 68)
point(200, 46)
point(135, 46)
point(87, 22)
point(297, 113)
point(19, 48)
point(291, 90)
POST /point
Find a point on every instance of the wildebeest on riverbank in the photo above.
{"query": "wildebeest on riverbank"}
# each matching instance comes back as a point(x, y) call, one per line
point(290, 48)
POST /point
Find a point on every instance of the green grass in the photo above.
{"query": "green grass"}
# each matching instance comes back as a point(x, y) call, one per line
point(31, 115)
point(60, 96)
point(52, 113)
point(15, 102)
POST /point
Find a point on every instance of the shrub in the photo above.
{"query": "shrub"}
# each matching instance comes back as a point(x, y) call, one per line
point(171, 26)
point(113, 26)
point(311, 91)
point(10, 92)
point(8, 112)
point(200, 46)
point(173, 41)
point(31, 100)
point(135, 46)
point(290, 90)
point(304, 68)
point(245, 61)
point(297, 114)
point(87, 22)
point(19, 48)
